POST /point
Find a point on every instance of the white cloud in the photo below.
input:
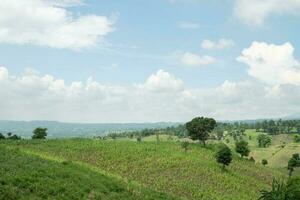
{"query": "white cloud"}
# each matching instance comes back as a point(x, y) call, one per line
point(162, 97)
point(163, 82)
point(190, 59)
point(272, 64)
point(221, 44)
point(255, 12)
point(189, 25)
point(44, 23)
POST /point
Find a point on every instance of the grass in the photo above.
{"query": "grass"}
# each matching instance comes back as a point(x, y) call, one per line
point(162, 167)
point(27, 176)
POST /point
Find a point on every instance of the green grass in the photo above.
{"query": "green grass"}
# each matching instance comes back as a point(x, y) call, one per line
point(27, 176)
point(159, 166)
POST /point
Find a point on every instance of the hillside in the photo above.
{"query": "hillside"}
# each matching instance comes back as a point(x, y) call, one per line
point(159, 166)
point(26, 176)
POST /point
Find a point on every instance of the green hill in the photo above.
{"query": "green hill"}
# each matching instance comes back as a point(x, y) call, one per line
point(132, 167)
point(26, 176)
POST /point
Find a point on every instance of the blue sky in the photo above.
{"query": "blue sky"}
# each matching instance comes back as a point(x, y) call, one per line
point(122, 44)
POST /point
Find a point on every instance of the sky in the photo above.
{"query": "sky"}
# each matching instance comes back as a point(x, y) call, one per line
point(98, 61)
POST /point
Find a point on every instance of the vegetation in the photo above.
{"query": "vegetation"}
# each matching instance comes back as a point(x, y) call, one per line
point(242, 148)
point(200, 127)
point(39, 133)
point(185, 145)
point(264, 140)
point(264, 162)
point(224, 155)
point(162, 167)
point(26, 176)
point(293, 163)
point(282, 190)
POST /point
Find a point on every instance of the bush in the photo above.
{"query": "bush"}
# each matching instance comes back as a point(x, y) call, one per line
point(224, 155)
point(252, 159)
point(296, 138)
point(264, 162)
point(281, 190)
point(242, 148)
point(185, 145)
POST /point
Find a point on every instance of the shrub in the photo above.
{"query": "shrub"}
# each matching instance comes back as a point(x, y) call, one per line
point(252, 159)
point(281, 190)
point(224, 155)
point(242, 148)
point(264, 162)
point(296, 138)
point(185, 145)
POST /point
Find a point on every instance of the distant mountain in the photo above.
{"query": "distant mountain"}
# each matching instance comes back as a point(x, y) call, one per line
point(60, 129)
point(293, 116)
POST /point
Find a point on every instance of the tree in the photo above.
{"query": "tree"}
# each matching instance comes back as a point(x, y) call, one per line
point(242, 148)
point(200, 127)
point(264, 140)
point(224, 155)
point(293, 163)
point(2, 137)
point(39, 133)
point(264, 162)
point(185, 145)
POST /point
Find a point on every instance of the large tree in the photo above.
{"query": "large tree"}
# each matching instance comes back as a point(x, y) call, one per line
point(200, 127)
point(39, 133)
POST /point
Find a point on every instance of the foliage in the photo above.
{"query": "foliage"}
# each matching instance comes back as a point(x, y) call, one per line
point(264, 140)
point(224, 155)
point(39, 133)
point(185, 145)
point(282, 190)
point(200, 127)
point(264, 162)
point(296, 138)
point(242, 148)
point(293, 163)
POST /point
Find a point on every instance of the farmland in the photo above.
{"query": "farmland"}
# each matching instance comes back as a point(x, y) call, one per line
point(135, 168)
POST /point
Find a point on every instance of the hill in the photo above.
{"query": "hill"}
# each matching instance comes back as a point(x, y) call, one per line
point(26, 176)
point(159, 166)
point(64, 130)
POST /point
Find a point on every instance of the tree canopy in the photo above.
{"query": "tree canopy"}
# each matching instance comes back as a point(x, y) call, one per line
point(200, 127)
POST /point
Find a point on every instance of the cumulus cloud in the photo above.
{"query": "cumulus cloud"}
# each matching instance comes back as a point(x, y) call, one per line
point(162, 97)
point(221, 44)
point(49, 23)
point(255, 12)
point(272, 64)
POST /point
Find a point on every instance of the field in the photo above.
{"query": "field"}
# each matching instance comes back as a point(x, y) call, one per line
point(277, 154)
point(131, 170)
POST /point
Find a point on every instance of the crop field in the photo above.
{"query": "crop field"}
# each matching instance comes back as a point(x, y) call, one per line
point(137, 168)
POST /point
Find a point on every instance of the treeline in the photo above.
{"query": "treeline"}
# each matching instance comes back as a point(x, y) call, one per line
point(272, 127)
point(179, 131)
point(236, 130)
point(9, 136)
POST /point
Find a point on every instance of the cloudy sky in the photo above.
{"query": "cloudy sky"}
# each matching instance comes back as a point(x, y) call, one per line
point(149, 61)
